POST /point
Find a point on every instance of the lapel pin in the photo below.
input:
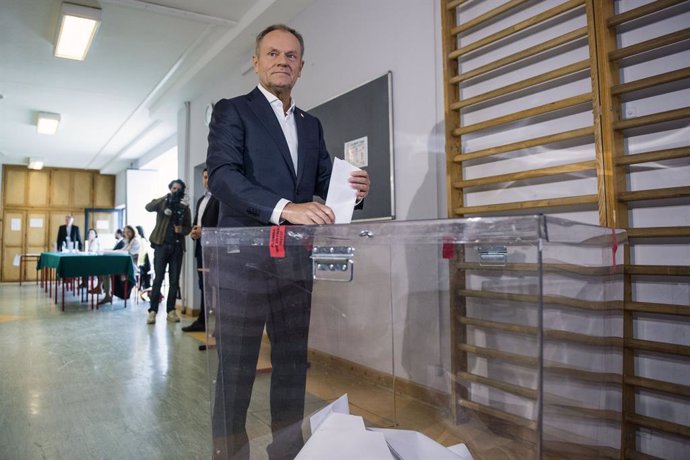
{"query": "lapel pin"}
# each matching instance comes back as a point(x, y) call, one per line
point(301, 114)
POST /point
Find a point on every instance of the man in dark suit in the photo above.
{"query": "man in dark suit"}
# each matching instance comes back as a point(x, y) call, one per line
point(68, 234)
point(267, 160)
point(206, 215)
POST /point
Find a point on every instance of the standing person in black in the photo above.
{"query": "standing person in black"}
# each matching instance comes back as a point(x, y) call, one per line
point(267, 159)
point(68, 234)
point(173, 223)
point(206, 215)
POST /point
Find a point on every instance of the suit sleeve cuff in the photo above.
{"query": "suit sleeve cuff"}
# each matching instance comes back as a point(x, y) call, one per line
point(277, 211)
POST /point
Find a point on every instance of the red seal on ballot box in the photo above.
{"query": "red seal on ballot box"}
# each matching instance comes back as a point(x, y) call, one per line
point(276, 243)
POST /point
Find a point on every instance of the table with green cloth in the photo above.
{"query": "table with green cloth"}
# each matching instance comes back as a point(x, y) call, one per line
point(78, 264)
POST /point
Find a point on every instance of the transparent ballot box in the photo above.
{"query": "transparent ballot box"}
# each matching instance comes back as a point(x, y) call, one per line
point(503, 334)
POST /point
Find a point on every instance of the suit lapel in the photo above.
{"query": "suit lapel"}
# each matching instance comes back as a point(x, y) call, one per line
point(264, 111)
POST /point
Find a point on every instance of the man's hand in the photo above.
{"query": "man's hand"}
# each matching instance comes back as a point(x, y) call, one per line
point(307, 213)
point(196, 232)
point(359, 180)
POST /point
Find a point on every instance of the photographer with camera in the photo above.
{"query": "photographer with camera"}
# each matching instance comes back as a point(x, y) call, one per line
point(173, 223)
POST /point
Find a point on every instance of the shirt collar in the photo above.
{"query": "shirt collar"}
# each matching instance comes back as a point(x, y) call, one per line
point(273, 100)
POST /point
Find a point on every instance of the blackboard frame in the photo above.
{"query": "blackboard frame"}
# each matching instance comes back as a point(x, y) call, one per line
point(366, 110)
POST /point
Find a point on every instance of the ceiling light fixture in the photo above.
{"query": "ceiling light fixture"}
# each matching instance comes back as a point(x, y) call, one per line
point(36, 163)
point(78, 26)
point(47, 123)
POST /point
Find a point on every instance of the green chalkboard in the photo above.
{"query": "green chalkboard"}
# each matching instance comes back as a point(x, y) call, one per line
point(364, 116)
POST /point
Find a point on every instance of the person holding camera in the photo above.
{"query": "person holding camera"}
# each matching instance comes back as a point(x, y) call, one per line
point(173, 223)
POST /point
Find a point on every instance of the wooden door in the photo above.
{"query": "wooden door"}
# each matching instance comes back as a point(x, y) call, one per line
point(13, 242)
point(36, 239)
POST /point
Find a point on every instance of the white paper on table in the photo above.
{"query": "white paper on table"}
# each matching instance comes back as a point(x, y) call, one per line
point(344, 437)
point(340, 406)
point(341, 196)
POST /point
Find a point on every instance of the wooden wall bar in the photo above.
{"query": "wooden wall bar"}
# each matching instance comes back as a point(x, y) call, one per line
point(494, 103)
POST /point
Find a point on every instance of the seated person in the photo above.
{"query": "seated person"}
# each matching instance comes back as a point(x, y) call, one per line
point(132, 247)
point(93, 245)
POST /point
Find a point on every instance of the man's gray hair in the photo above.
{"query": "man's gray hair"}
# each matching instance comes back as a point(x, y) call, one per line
point(284, 28)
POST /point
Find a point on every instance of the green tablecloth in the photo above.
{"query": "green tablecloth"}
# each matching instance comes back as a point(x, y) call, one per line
point(75, 264)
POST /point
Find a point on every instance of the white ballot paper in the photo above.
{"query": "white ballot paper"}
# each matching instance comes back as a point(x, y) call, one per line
point(344, 437)
point(337, 435)
point(341, 196)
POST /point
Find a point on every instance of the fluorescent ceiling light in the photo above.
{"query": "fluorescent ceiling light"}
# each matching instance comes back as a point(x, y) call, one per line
point(47, 122)
point(35, 163)
point(78, 26)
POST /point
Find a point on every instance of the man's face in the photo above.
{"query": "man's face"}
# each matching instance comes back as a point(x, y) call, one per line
point(278, 62)
point(175, 187)
point(204, 178)
point(69, 220)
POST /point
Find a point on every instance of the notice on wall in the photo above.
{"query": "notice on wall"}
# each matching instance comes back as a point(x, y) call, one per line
point(36, 222)
point(16, 260)
point(357, 152)
point(15, 225)
point(102, 224)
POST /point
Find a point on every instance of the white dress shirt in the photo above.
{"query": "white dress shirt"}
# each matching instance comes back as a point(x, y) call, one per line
point(287, 124)
point(202, 207)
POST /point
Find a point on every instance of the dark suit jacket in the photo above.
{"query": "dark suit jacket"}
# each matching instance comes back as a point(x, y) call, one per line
point(249, 161)
point(209, 219)
point(74, 236)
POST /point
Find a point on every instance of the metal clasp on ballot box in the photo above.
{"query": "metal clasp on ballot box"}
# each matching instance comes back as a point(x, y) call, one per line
point(493, 255)
point(333, 263)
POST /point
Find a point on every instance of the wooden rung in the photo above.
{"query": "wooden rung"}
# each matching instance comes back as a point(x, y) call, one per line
point(517, 86)
point(650, 82)
point(514, 358)
point(525, 205)
point(610, 305)
point(641, 11)
point(515, 28)
point(526, 144)
point(519, 56)
point(661, 117)
point(531, 174)
point(491, 14)
point(658, 347)
point(497, 325)
point(455, 4)
point(573, 450)
point(657, 270)
point(547, 267)
point(654, 194)
point(580, 374)
point(583, 339)
point(658, 42)
point(514, 419)
point(657, 155)
point(582, 412)
point(657, 424)
point(549, 334)
point(658, 232)
point(528, 113)
point(658, 308)
point(525, 392)
point(658, 385)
